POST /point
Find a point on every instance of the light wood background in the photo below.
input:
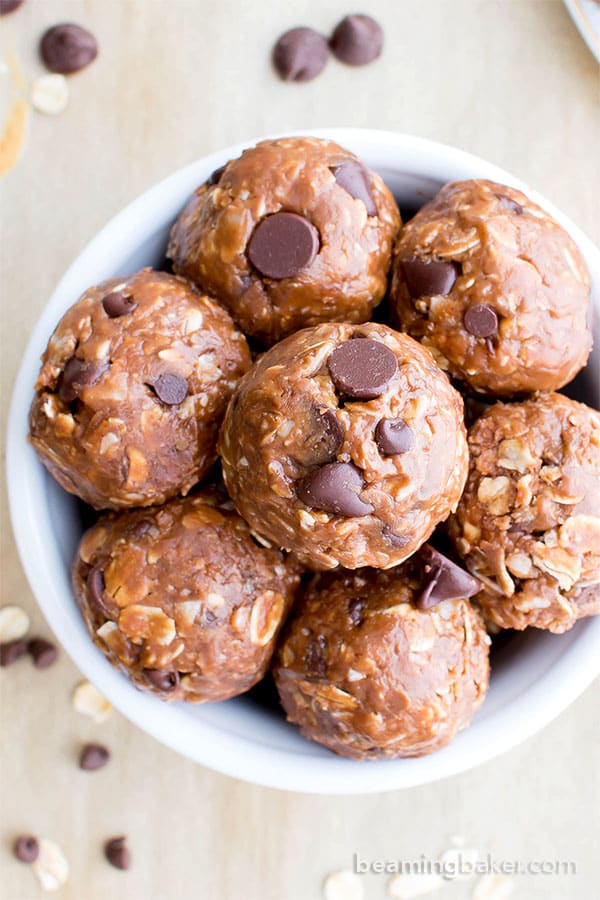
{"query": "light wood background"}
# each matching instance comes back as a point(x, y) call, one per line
point(510, 80)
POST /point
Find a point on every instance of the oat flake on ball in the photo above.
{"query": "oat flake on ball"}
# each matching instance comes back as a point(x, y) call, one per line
point(346, 445)
point(295, 232)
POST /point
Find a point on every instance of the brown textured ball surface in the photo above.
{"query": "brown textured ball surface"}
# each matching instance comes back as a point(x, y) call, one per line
point(495, 288)
point(367, 674)
point(528, 524)
point(182, 599)
point(345, 444)
point(133, 387)
point(354, 220)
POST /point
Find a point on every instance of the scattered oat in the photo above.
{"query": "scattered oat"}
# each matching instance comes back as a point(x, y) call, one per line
point(14, 623)
point(50, 94)
point(413, 884)
point(343, 885)
point(51, 866)
point(493, 887)
point(12, 140)
point(88, 701)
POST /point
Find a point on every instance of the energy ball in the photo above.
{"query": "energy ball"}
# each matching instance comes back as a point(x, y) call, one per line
point(345, 444)
point(182, 599)
point(384, 664)
point(495, 288)
point(528, 524)
point(295, 232)
point(133, 388)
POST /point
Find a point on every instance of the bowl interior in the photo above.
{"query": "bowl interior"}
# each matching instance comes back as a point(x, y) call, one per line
point(535, 674)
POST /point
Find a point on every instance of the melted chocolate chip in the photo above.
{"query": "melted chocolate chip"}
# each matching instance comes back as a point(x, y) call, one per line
point(117, 853)
point(357, 40)
point(283, 244)
point(335, 488)
point(215, 177)
point(68, 48)
point(324, 438)
point(300, 54)
point(396, 540)
point(26, 848)
point(394, 436)
point(441, 579)
point(78, 375)
point(96, 586)
point(118, 303)
point(162, 679)
point(361, 369)
point(315, 657)
point(354, 179)
point(481, 321)
point(510, 204)
point(355, 610)
point(428, 278)
point(170, 388)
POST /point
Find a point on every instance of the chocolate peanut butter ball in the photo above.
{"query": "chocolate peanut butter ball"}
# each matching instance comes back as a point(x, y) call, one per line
point(133, 387)
point(528, 524)
point(384, 664)
point(181, 597)
point(495, 288)
point(295, 232)
point(345, 444)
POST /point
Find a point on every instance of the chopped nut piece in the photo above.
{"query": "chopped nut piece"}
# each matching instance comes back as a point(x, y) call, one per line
point(344, 885)
point(14, 623)
point(51, 866)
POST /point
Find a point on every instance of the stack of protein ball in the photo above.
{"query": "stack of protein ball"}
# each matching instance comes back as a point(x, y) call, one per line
point(342, 446)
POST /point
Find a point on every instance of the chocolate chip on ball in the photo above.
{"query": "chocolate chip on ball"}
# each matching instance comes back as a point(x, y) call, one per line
point(428, 278)
point(361, 368)
point(354, 179)
point(357, 40)
point(300, 54)
point(67, 48)
point(335, 488)
point(283, 244)
point(481, 320)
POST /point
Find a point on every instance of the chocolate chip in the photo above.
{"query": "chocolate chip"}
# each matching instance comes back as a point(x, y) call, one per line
point(170, 388)
point(78, 375)
point(510, 204)
point(396, 540)
point(283, 244)
point(162, 679)
point(117, 852)
point(355, 610)
point(43, 653)
point(315, 657)
point(441, 579)
point(300, 54)
point(428, 278)
point(26, 848)
point(481, 320)
point(68, 48)
point(96, 586)
point(394, 436)
point(324, 438)
point(357, 40)
point(118, 303)
point(335, 488)
point(215, 177)
point(8, 6)
point(354, 179)
point(93, 757)
point(11, 651)
point(361, 368)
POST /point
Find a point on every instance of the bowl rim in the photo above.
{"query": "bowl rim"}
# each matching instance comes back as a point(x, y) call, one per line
point(223, 750)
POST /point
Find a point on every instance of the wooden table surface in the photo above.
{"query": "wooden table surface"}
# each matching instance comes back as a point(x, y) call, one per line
point(510, 80)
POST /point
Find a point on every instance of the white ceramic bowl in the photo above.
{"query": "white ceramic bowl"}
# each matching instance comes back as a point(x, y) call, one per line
point(536, 675)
